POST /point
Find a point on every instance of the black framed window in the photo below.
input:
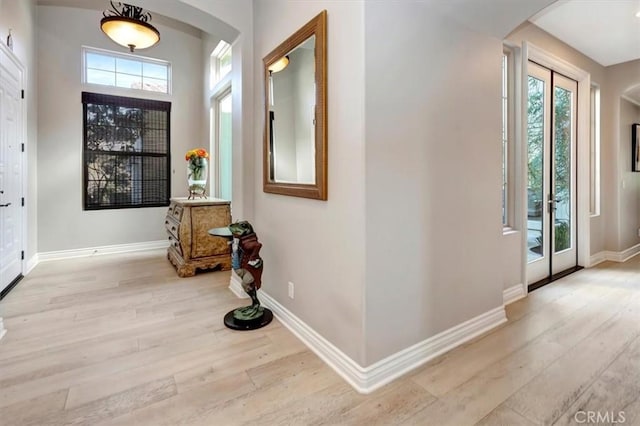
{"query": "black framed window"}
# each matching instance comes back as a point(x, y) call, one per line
point(126, 152)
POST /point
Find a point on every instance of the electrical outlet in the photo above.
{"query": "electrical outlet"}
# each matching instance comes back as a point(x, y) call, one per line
point(638, 232)
point(291, 288)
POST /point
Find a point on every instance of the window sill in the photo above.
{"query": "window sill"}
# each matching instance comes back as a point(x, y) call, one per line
point(507, 230)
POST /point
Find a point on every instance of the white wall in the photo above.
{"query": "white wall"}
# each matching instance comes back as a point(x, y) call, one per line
point(416, 210)
point(237, 29)
point(20, 16)
point(62, 222)
point(319, 245)
point(623, 230)
point(629, 181)
point(433, 175)
point(629, 205)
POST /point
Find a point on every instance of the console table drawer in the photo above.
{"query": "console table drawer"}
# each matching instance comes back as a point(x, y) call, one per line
point(175, 211)
point(172, 227)
point(175, 244)
point(190, 246)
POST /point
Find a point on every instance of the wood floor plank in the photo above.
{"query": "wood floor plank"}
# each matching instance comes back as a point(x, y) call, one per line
point(504, 416)
point(66, 379)
point(456, 367)
point(122, 340)
point(101, 327)
point(301, 391)
point(35, 411)
point(471, 401)
point(391, 405)
point(553, 391)
point(53, 362)
point(275, 371)
point(116, 404)
point(187, 408)
point(118, 381)
point(220, 367)
point(614, 392)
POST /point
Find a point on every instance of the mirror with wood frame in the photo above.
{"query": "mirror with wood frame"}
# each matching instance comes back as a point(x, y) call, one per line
point(295, 137)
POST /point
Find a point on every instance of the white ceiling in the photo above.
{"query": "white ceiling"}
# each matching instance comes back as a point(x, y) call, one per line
point(607, 31)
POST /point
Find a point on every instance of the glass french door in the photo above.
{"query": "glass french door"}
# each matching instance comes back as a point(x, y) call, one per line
point(551, 169)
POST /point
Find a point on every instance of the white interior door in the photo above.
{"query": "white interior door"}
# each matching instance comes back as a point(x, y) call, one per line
point(11, 211)
point(551, 180)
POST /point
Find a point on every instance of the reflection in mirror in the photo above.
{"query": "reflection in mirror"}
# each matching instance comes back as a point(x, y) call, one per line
point(291, 116)
point(295, 154)
point(629, 118)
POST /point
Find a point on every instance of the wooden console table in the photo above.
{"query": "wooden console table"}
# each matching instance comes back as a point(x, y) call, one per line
point(191, 247)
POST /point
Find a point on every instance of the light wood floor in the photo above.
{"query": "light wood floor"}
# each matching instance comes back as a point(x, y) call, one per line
point(121, 340)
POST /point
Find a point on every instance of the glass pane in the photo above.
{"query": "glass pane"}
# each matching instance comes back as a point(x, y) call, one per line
point(154, 119)
point(101, 77)
point(225, 63)
point(225, 147)
point(593, 157)
point(505, 153)
point(108, 180)
point(128, 66)
point(100, 62)
point(154, 85)
point(129, 81)
point(562, 168)
point(100, 114)
point(535, 151)
point(154, 71)
point(154, 179)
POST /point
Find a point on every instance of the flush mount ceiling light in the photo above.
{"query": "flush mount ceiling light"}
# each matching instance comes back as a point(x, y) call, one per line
point(279, 65)
point(128, 26)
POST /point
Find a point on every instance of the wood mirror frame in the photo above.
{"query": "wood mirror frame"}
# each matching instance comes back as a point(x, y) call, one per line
point(317, 190)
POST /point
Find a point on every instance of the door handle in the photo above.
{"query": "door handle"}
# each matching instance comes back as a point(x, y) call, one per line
point(552, 203)
point(5, 205)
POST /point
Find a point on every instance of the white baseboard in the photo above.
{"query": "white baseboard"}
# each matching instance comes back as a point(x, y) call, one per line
point(615, 256)
point(629, 253)
point(93, 251)
point(597, 258)
point(368, 379)
point(235, 285)
point(3, 331)
point(31, 263)
point(513, 293)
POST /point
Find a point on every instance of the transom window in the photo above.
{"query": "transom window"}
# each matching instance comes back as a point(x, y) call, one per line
point(127, 71)
point(220, 62)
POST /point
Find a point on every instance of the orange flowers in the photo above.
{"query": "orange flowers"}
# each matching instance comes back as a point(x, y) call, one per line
point(196, 153)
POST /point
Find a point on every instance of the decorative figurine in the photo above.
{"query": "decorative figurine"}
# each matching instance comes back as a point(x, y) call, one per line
point(10, 41)
point(247, 264)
